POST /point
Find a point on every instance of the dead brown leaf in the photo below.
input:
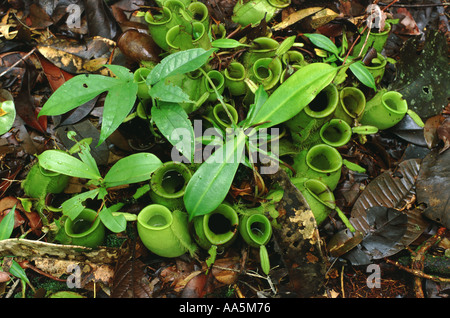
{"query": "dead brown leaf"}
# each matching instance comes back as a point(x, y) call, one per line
point(226, 270)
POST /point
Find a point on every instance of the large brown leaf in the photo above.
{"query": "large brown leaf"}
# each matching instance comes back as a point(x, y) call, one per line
point(433, 187)
point(391, 190)
point(129, 278)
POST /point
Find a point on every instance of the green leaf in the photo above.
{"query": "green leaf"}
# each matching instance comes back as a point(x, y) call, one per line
point(7, 224)
point(227, 43)
point(121, 72)
point(178, 63)
point(7, 116)
point(61, 162)
point(86, 156)
point(132, 169)
point(17, 271)
point(323, 42)
point(73, 206)
point(66, 294)
point(353, 166)
point(362, 74)
point(294, 94)
point(77, 91)
point(115, 223)
point(260, 98)
point(173, 122)
point(264, 258)
point(118, 104)
point(211, 182)
point(285, 45)
point(82, 88)
point(169, 93)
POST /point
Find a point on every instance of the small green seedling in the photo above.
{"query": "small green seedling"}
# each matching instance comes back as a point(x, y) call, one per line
point(131, 169)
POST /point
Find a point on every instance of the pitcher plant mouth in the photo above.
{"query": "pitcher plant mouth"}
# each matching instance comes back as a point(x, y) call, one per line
point(221, 116)
point(353, 101)
point(164, 232)
point(336, 133)
point(321, 192)
point(217, 228)
point(385, 109)
point(199, 12)
point(267, 71)
point(256, 229)
point(324, 104)
point(170, 180)
point(181, 37)
point(158, 219)
point(86, 229)
point(395, 103)
point(220, 227)
point(235, 72)
point(324, 158)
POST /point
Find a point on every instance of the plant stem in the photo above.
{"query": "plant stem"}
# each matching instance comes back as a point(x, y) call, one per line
point(220, 98)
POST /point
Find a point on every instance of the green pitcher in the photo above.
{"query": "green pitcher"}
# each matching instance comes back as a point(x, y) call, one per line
point(321, 162)
point(168, 184)
point(256, 231)
point(86, 229)
point(385, 109)
point(163, 232)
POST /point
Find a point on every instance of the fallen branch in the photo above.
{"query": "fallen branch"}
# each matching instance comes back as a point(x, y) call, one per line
point(417, 265)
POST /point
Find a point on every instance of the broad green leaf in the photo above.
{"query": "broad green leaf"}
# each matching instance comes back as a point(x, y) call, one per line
point(7, 224)
point(118, 104)
point(61, 162)
point(169, 93)
point(362, 74)
point(179, 63)
point(132, 169)
point(82, 88)
point(211, 182)
point(173, 122)
point(323, 42)
point(227, 43)
point(7, 116)
point(115, 223)
point(294, 94)
point(77, 91)
point(73, 206)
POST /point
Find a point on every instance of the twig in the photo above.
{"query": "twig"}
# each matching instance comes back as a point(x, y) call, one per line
point(419, 259)
point(13, 287)
point(359, 36)
point(37, 270)
point(423, 5)
point(417, 265)
point(17, 62)
point(418, 272)
point(238, 291)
